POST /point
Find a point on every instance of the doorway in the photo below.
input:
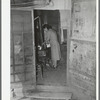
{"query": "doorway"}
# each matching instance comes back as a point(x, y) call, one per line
point(45, 73)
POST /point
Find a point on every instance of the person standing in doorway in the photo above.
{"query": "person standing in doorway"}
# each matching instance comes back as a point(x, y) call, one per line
point(50, 37)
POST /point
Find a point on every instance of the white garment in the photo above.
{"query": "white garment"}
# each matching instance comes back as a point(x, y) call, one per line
point(51, 37)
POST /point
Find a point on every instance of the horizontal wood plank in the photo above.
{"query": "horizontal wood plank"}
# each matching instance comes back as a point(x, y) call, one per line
point(50, 95)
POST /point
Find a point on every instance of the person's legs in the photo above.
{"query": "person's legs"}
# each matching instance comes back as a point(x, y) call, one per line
point(54, 63)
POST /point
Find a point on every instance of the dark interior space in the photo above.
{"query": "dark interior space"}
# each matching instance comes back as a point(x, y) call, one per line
point(46, 74)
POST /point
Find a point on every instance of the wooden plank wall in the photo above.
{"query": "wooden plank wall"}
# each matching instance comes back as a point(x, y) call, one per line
point(21, 48)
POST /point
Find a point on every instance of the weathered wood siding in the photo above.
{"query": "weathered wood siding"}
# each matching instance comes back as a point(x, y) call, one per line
point(22, 69)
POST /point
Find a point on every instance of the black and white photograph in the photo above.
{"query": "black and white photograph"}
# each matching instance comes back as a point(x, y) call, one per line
point(53, 50)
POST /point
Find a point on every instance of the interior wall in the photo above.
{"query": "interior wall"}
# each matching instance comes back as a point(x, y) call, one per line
point(65, 17)
point(65, 23)
point(82, 68)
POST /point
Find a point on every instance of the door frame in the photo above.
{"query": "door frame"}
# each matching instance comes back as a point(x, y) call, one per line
point(68, 50)
point(68, 44)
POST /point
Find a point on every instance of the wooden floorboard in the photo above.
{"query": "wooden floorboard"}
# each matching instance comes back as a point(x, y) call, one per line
point(53, 88)
point(50, 95)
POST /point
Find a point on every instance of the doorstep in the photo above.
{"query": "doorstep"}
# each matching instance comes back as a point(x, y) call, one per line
point(49, 95)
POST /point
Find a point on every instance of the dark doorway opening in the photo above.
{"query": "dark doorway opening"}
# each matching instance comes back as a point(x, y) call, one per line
point(45, 74)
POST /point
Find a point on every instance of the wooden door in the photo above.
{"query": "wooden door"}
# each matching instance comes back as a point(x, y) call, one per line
point(23, 72)
point(82, 66)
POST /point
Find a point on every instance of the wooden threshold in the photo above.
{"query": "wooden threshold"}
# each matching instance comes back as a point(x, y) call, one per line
point(47, 92)
point(53, 88)
point(49, 95)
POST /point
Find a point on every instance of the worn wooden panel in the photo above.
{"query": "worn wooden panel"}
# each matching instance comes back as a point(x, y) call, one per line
point(27, 18)
point(20, 1)
point(11, 60)
point(83, 58)
point(28, 60)
point(27, 13)
point(28, 27)
point(19, 59)
point(84, 20)
point(17, 37)
point(29, 76)
point(27, 39)
point(18, 49)
point(21, 23)
point(11, 78)
point(19, 77)
point(28, 50)
point(29, 68)
point(11, 49)
point(11, 69)
point(17, 18)
point(17, 12)
point(19, 69)
point(17, 27)
point(27, 2)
